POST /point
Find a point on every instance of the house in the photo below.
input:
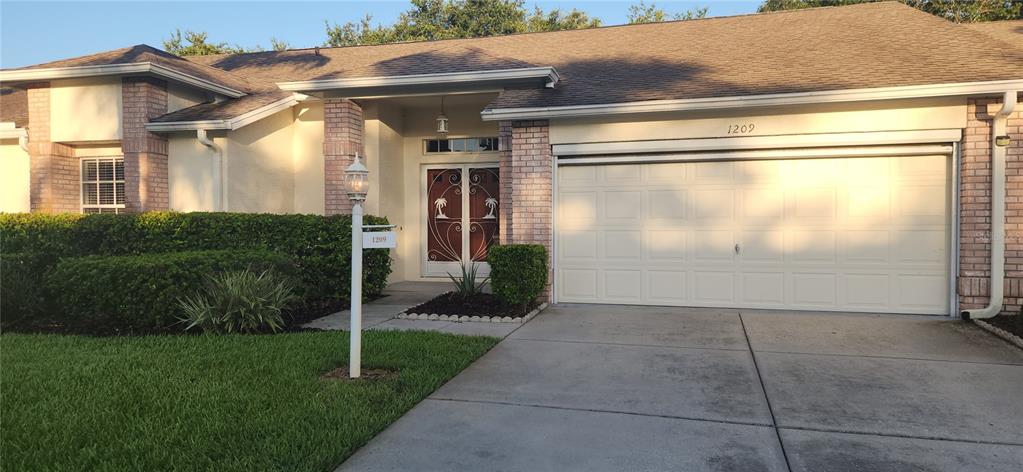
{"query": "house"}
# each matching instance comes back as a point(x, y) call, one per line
point(837, 159)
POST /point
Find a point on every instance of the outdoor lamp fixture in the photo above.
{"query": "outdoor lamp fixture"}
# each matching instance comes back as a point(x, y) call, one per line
point(1002, 141)
point(442, 119)
point(357, 185)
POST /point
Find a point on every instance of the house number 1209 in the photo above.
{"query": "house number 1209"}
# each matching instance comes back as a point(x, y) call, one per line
point(741, 129)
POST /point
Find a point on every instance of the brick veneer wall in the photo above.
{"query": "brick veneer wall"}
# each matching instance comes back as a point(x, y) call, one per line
point(53, 169)
point(532, 171)
point(342, 138)
point(145, 154)
point(975, 209)
point(504, 135)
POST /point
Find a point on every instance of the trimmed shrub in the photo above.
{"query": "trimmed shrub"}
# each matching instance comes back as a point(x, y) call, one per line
point(319, 246)
point(139, 294)
point(518, 272)
point(23, 295)
point(239, 302)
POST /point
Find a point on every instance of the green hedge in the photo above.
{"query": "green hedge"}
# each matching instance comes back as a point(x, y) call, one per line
point(139, 294)
point(319, 246)
point(518, 272)
point(23, 293)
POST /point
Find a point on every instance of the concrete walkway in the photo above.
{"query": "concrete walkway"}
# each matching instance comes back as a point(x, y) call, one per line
point(380, 313)
point(600, 388)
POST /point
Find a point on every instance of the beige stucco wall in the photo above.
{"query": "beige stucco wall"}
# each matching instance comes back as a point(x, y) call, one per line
point(193, 173)
point(85, 110)
point(14, 177)
point(260, 169)
point(179, 96)
point(384, 148)
point(893, 115)
point(307, 158)
point(419, 124)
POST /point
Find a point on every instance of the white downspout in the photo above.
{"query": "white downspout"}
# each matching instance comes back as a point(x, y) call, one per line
point(997, 277)
point(23, 141)
point(219, 172)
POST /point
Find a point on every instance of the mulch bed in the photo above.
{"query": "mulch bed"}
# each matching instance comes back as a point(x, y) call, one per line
point(484, 304)
point(341, 374)
point(1012, 323)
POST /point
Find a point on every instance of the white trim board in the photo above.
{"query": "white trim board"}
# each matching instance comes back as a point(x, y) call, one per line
point(54, 73)
point(813, 153)
point(232, 123)
point(749, 101)
point(761, 142)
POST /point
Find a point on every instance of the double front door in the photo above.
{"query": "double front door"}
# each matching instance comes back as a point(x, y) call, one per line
point(461, 204)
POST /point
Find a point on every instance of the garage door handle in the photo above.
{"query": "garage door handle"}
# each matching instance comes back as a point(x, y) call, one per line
point(736, 248)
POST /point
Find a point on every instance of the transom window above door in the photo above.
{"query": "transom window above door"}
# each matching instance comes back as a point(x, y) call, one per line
point(103, 185)
point(484, 144)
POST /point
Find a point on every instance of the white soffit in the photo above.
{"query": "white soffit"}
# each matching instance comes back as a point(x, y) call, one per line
point(880, 138)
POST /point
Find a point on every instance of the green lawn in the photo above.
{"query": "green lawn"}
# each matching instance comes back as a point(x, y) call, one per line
point(208, 402)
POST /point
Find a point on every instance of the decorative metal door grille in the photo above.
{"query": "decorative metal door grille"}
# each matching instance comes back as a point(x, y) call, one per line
point(454, 234)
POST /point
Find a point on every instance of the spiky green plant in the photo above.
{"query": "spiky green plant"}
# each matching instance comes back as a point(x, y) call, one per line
point(239, 302)
point(466, 286)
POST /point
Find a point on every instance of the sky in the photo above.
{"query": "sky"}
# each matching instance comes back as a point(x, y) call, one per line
point(38, 31)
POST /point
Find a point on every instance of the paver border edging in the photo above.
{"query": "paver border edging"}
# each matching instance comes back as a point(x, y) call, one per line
point(465, 318)
point(1001, 333)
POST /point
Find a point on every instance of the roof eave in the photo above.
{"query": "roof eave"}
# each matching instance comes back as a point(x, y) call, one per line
point(359, 86)
point(55, 73)
point(230, 124)
point(750, 101)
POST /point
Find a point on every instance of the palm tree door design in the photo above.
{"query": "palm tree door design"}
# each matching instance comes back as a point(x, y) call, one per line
point(461, 209)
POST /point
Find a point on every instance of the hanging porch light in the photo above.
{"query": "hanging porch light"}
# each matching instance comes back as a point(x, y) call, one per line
point(442, 119)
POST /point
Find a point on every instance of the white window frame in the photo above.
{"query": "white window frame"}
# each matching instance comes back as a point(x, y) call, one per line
point(427, 152)
point(99, 207)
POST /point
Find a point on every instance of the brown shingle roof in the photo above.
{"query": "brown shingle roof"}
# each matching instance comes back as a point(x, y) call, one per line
point(143, 53)
point(860, 46)
point(13, 106)
point(1009, 32)
point(224, 110)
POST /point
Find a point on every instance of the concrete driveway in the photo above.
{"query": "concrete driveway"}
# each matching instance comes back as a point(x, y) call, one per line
point(588, 387)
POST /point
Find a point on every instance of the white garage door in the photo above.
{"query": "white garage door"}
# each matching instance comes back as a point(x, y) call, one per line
point(848, 234)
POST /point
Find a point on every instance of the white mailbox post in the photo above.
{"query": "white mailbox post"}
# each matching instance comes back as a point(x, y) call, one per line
point(356, 185)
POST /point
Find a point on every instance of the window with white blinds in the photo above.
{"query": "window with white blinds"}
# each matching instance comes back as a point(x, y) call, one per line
point(103, 185)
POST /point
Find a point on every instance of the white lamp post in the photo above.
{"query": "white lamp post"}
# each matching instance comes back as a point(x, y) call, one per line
point(357, 185)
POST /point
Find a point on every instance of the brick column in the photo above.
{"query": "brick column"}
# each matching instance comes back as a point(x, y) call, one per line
point(975, 209)
point(342, 138)
point(145, 153)
point(53, 169)
point(504, 135)
point(532, 171)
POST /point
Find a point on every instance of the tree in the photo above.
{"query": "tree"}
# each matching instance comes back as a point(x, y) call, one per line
point(959, 11)
point(556, 20)
point(445, 19)
point(643, 13)
point(279, 44)
point(197, 45)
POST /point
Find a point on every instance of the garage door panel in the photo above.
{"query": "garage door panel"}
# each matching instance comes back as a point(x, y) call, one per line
point(578, 245)
point(714, 287)
point(852, 234)
point(623, 245)
point(667, 206)
point(764, 289)
point(865, 247)
point(666, 286)
point(814, 289)
point(665, 245)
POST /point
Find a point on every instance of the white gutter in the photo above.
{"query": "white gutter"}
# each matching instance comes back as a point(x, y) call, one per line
point(801, 98)
point(56, 73)
point(997, 275)
point(219, 168)
point(230, 124)
point(548, 74)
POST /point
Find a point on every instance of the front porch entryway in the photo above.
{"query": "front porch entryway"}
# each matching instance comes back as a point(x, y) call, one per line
point(461, 208)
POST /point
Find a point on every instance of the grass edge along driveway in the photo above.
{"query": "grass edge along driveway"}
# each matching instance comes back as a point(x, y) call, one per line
point(209, 402)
